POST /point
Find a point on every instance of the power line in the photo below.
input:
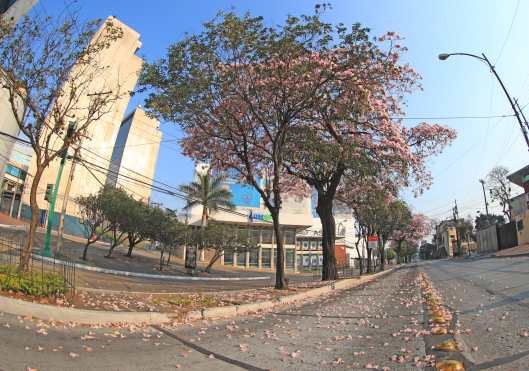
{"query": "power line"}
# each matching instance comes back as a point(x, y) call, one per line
point(508, 32)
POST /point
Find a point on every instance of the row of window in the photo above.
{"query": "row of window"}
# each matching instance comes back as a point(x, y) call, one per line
point(309, 245)
point(266, 236)
point(253, 258)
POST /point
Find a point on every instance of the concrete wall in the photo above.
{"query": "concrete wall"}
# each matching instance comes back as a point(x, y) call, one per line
point(487, 239)
point(135, 154)
point(122, 72)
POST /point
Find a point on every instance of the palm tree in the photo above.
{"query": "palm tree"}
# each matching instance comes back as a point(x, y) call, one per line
point(208, 191)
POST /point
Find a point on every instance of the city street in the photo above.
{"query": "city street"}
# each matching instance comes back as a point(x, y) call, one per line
point(491, 298)
point(375, 326)
point(359, 328)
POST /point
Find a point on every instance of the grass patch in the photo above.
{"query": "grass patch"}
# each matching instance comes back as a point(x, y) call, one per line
point(180, 301)
point(31, 283)
point(207, 301)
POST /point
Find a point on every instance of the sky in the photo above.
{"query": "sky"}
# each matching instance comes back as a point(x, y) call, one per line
point(459, 86)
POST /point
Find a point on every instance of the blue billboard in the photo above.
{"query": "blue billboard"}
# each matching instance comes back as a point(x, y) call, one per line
point(244, 195)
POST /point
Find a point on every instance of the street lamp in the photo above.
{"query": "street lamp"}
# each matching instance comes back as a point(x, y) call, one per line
point(513, 103)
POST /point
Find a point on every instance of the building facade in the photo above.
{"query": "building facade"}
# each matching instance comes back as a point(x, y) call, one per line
point(251, 215)
point(121, 74)
point(135, 154)
point(520, 204)
point(11, 10)
point(15, 180)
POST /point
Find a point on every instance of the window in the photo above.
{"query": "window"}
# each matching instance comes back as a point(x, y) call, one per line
point(228, 257)
point(265, 258)
point(320, 260)
point(256, 236)
point(306, 260)
point(266, 236)
point(289, 259)
point(289, 236)
point(314, 245)
point(241, 258)
point(519, 225)
point(254, 257)
point(314, 260)
point(320, 245)
point(305, 245)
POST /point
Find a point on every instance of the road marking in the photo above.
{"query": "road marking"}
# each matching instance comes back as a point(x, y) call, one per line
point(206, 352)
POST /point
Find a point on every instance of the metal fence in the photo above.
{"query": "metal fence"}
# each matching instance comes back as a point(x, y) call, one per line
point(344, 270)
point(45, 275)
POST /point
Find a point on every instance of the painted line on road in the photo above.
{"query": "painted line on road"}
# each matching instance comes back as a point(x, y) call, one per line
point(163, 277)
point(206, 352)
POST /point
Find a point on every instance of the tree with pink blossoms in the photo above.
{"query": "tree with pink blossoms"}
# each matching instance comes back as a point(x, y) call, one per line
point(303, 103)
point(410, 234)
point(355, 130)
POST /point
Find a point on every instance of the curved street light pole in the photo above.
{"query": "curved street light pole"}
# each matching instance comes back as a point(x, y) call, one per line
point(483, 58)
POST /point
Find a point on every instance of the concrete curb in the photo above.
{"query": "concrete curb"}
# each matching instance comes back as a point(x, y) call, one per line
point(163, 277)
point(82, 316)
point(93, 317)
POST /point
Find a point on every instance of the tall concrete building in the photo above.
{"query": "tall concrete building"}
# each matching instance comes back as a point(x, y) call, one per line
point(122, 71)
point(135, 154)
point(11, 10)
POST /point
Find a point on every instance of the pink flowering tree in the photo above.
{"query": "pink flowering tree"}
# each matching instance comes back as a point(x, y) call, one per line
point(238, 90)
point(354, 132)
point(410, 235)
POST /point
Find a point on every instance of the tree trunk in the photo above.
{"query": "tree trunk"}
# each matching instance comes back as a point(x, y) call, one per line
point(213, 260)
point(115, 241)
point(399, 246)
point(162, 250)
point(369, 261)
point(28, 249)
point(281, 282)
point(169, 256)
point(360, 262)
point(324, 210)
point(132, 243)
point(381, 253)
point(85, 249)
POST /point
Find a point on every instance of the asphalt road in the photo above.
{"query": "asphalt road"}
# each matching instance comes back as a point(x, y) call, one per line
point(368, 327)
point(378, 326)
point(490, 297)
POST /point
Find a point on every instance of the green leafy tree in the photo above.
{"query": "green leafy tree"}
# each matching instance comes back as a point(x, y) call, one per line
point(209, 192)
point(166, 230)
point(92, 218)
point(137, 223)
point(115, 204)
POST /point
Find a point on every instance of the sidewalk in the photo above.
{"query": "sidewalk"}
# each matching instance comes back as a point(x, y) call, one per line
point(522, 250)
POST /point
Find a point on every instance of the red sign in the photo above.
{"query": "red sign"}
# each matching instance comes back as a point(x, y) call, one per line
point(372, 242)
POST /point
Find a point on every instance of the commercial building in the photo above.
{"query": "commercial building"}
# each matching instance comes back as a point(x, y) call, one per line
point(309, 242)
point(15, 180)
point(11, 10)
point(250, 214)
point(520, 205)
point(121, 74)
point(135, 154)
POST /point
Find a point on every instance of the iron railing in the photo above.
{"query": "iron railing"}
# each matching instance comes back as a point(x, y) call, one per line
point(45, 275)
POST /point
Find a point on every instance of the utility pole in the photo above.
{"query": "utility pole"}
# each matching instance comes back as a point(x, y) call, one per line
point(60, 241)
point(47, 240)
point(455, 213)
point(485, 198)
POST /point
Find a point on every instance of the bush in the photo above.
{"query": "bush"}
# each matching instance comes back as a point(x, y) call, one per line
point(31, 283)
